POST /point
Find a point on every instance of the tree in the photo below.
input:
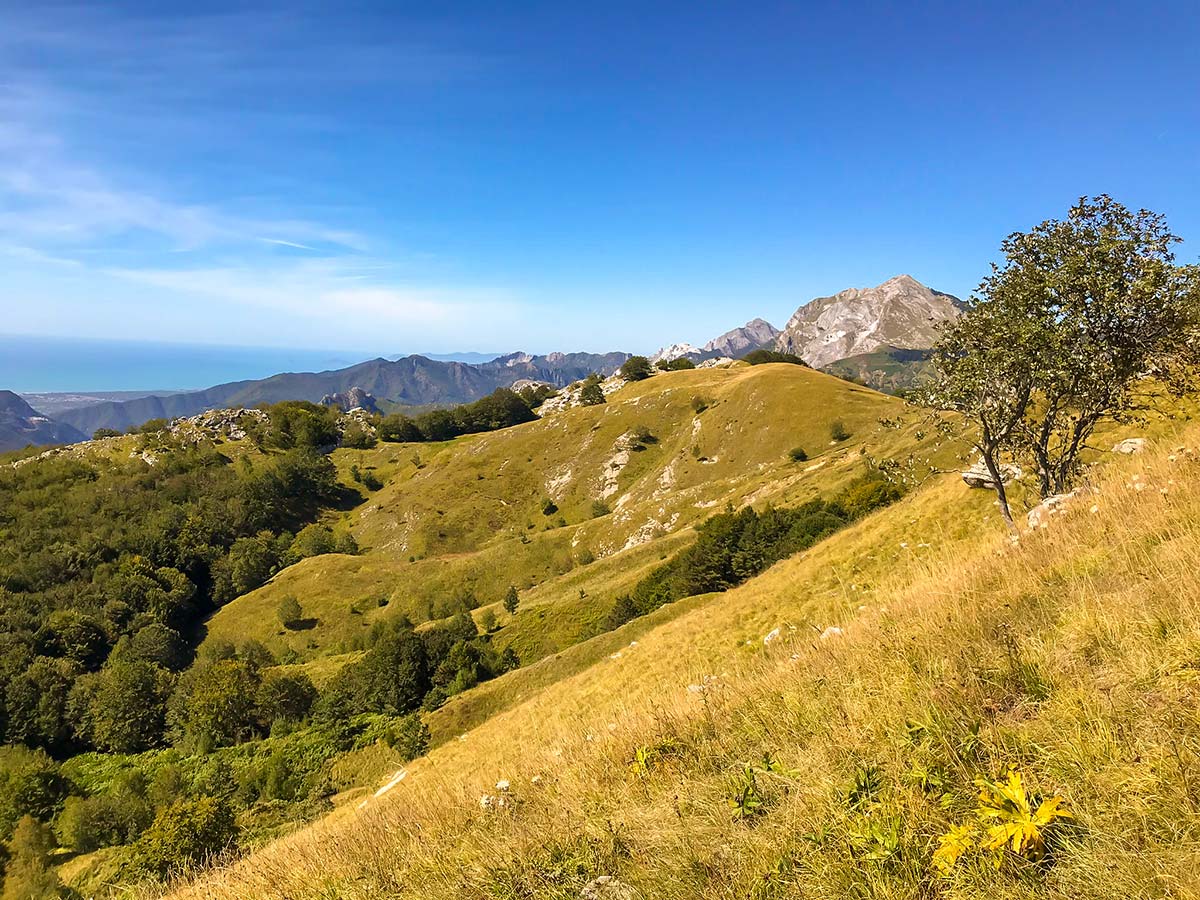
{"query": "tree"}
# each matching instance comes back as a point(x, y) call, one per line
point(1060, 338)
point(30, 785)
point(36, 703)
point(128, 708)
point(636, 368)
point(399, 429)
point(158, 644)
point(591, 394)
point(290, 611)
point(623, 610)
point(217, 703)
point(284, 697)
point(391, 678)
point(511, 600)
point(185, 833)
point(28, 875)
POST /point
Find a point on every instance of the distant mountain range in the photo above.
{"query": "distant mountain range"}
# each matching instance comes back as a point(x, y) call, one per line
point(874, 335)
point(22, 425)
point(409, 381)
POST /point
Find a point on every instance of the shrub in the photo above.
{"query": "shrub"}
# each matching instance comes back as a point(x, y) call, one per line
point(357, 437)
point(623, 610)
point(409, 736)
point(676, 365)
point(290, 611)
point(636, 368)
point(284, 697)
point(599, 508)
point(797, 454)
point(591, 394)
point(640, 436)
point(101, 433)
point(28, 874)
point(511, 599)
point(700, 404)
point(837, 431)
point(186, 833)
point(758, 357)
point(549, 507)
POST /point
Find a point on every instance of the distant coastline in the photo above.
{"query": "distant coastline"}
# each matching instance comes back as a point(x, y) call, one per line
point(55, 365)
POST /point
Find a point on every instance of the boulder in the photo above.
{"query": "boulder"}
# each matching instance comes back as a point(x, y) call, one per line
point(978, 475)
point(1056, 505)
point(1129, 445)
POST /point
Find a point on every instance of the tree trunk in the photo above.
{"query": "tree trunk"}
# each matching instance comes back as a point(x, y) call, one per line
point(989, 460)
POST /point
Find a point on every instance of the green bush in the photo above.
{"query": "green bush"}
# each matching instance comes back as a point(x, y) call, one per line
point(837, 431)
point(184, 834)
point(511, 599)
point(798, 454)
point(675, 365)
point(636, 368)
point(591, 394)
point(758, 357)
point(289, 611)
point(31, 784)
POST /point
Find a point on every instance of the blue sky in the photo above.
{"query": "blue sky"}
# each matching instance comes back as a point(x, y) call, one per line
point(484, 176)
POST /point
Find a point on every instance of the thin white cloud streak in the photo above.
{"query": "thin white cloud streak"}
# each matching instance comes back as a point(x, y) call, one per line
point(47, 198)
point(331, 290)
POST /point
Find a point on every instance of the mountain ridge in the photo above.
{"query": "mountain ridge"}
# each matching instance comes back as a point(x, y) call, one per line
point(22, 425)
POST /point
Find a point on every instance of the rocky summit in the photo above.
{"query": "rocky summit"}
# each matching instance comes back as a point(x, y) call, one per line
point(754, 334)
point(901, 313)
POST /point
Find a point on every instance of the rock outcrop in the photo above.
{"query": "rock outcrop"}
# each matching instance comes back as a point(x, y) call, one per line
point(901, 313)
point(355, 398)
point(1130, 445)
point(1056, 505)
point(978, 475)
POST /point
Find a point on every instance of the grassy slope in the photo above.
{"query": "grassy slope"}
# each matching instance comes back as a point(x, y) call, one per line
point(1073, 654)
point(470, 517)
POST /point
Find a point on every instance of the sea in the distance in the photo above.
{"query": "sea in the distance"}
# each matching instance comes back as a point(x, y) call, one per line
point(52, 364)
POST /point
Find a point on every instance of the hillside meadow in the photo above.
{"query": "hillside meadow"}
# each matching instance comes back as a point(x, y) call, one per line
point(919, 653)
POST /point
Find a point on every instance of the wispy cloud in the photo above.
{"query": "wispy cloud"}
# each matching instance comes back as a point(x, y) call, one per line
point(67, 199)
point(331, 288)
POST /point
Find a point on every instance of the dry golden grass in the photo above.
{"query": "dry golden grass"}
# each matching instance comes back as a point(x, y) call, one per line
point(471, 520)
point(1073, 656)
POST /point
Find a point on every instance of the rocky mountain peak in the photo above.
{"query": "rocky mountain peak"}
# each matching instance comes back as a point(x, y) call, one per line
point(901, 312)
point(675, 351)
point(754, 334)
